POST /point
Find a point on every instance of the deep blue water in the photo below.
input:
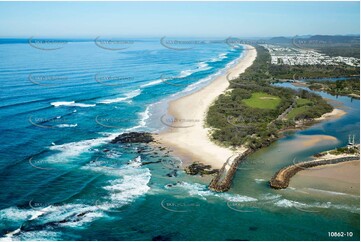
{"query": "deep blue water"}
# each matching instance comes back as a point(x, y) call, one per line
point(62, 180)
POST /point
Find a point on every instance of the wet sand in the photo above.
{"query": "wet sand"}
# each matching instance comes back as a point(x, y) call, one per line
point(342, 177)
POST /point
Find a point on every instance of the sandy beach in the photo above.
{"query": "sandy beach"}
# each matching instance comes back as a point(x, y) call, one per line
point(188, 138)
point(336, 113)
point(342, 177)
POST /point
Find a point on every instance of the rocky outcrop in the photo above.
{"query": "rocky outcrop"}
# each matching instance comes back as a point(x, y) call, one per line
point(199, 168)
point(133, 137)
point(282, 178)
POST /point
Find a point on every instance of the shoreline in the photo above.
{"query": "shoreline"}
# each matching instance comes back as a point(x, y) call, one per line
point(190, 139)
point(341, 177)
point(282, 177)
point(334, 114)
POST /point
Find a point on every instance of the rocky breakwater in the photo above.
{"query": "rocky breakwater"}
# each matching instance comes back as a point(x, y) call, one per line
point(282, 178)
point(223, 180)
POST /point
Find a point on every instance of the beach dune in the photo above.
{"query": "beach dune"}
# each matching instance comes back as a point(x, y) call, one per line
point(187, 135)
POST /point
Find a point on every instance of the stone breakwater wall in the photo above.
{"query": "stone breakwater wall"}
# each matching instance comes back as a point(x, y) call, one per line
point(282, 178)
point(223, 180)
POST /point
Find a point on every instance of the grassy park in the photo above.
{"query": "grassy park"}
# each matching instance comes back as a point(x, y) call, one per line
point(262, 100)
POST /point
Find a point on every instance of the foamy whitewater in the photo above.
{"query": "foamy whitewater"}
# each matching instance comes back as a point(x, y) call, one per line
point(62, 179)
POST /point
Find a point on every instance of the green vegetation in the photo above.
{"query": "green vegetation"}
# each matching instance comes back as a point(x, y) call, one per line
point(344, 50)
point(262, 100)
point(302, 102)
point(349, 87)
point(253, 111)
point(345, 150)
point(302, 110)
point(297, 112)
point(299, 72)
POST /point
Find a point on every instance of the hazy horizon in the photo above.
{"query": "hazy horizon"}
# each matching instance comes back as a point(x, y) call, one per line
point(178, 19)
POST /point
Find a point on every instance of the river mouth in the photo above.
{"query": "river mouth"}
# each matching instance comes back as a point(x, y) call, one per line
point(315, 192)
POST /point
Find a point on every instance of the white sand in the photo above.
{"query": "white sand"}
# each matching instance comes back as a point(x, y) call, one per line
point(192, 142)
point(336, 113)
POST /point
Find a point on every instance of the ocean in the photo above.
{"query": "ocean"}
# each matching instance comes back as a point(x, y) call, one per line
point(62, 179)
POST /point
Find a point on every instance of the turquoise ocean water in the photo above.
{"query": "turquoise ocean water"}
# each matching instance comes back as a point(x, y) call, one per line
point(61, 179)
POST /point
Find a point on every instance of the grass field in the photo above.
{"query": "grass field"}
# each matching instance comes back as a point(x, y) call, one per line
point(262, 100)
point(302, 102)
point(297, 111)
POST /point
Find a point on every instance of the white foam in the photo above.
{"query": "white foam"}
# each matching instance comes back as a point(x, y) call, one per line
point(40, 212)
point(259, 180)
point(72, 104)
point(144, 116)
point(202, 66)
point(315, 206)
point(67, 125)
point(285, 203)
point(269, 196)
point(237, 198)
point(332, 192)
point(74, 149)
point(137, 162)
point(15, 214)
point(132, 185)
point(127, 97)
point(219, 57)
point(186, 73)
point(152, 83)
point(9, 236)
point(196, 189)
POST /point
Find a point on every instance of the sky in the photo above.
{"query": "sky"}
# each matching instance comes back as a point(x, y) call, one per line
point(188, 19)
